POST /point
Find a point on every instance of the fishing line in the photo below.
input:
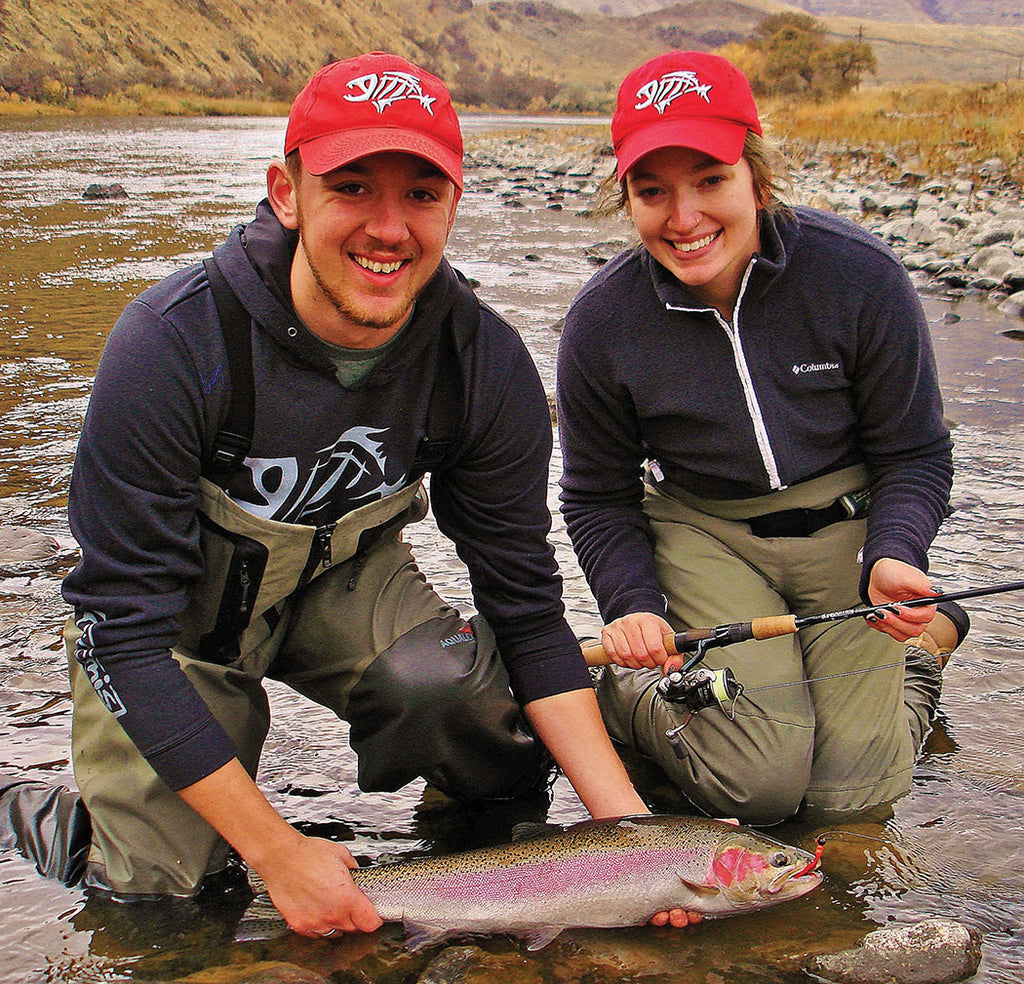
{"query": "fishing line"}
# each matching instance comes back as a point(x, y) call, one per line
point(702, 688)
point(830, 676)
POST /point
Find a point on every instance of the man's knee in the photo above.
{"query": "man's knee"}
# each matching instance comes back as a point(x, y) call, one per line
point(437, 704)
point(46, 824)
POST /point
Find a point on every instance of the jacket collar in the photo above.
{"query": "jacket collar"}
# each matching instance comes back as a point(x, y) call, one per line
point(778, 236)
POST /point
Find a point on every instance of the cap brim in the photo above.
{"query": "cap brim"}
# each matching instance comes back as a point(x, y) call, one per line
point(334, 150)
point(720, 139)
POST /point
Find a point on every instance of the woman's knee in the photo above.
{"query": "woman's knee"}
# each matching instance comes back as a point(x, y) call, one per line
point(757, 779)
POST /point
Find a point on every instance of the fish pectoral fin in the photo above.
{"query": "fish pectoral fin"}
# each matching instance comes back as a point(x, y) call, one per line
point(419, 935)
point(540, 938)
point(701, 891)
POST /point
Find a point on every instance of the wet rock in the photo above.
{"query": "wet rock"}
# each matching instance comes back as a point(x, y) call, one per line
point(935, 951)
point(471, 965)
point(102, 192)
point(20, 545)
point(601, 253)
point(310, 784)
point(263, 972)
point(887, 203)
point(1013, 305)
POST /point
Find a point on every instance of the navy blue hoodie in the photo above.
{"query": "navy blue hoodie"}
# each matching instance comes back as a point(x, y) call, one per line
point(161, 393)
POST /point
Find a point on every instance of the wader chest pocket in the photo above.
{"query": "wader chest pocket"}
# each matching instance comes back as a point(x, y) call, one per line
point(221, 612)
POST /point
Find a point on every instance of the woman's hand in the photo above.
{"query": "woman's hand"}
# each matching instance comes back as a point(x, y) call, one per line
point(894, 581)
point(636, 640)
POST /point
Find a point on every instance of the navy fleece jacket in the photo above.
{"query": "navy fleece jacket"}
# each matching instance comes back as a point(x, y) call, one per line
point(160, 395)
point(827, 363)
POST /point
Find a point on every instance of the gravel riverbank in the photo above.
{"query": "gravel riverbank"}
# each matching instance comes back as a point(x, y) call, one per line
point(956, 234)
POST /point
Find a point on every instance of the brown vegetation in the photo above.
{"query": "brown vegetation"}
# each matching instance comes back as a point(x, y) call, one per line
point(519, 55)
point(935, 129)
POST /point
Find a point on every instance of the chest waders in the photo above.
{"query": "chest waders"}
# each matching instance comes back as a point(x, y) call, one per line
point(341, 614)
point(842, 743)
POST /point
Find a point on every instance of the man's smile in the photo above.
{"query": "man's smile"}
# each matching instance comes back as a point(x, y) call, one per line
point(376, 267)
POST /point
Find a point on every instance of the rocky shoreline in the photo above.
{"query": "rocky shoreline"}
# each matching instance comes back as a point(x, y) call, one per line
point(956, 234)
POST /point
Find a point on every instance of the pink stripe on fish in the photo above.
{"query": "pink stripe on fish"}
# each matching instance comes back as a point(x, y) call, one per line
point(548, 877)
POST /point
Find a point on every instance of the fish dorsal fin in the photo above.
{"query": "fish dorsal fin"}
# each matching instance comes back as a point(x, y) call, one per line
point(527, 830)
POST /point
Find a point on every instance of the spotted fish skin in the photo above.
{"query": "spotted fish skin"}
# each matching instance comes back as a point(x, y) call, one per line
point(599, 873)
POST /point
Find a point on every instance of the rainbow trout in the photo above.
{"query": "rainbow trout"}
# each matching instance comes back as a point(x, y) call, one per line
point(599, 873)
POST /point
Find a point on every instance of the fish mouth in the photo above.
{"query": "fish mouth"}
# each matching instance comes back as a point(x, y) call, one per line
point(809, 877)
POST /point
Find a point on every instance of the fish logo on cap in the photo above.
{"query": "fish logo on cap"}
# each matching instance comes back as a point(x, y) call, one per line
point(662, 92)
point(387, 88)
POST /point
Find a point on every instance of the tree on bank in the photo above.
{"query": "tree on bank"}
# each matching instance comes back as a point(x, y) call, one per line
point(790, 55)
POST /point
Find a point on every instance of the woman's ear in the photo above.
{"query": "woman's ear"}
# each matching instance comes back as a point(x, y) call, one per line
point(282, 188)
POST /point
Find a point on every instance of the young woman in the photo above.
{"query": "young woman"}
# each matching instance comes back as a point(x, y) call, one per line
point(751, 425)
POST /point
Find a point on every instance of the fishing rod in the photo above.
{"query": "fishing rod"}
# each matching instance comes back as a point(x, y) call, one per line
point(699, 687)
point(698, 641)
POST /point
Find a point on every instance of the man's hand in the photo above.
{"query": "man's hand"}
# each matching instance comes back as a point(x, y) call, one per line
point(636, 640)
point(681, 918)
point(894, 581)
point(312, 889)
point(307, 877)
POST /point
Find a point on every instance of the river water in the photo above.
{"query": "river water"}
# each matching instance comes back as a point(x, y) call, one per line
point(953, 847)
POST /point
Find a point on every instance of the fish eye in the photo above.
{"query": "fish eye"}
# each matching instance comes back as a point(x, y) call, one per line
point(779, 860)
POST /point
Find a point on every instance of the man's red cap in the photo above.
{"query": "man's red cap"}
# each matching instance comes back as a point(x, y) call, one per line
point(370, 104)
point(683, 99)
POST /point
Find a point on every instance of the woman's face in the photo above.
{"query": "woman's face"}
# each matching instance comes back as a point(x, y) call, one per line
point(698, 218)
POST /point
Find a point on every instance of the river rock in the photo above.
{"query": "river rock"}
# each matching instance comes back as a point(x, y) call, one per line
point(472, 965)
point(261, 972)
point(934, 951)
point(102, 192)
point(1013, 305)
point(19, 545)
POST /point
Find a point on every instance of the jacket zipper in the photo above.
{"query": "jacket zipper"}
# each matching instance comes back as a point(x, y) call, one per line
point(732, 331)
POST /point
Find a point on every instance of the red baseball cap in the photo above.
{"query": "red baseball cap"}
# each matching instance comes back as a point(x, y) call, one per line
point(683, 99)
point(370, 104)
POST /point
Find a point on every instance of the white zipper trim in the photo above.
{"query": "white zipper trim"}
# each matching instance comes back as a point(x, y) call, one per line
point(764, 444)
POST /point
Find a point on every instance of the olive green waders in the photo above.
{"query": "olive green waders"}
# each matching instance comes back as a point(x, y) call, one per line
point(345, 618)
point(839, 743)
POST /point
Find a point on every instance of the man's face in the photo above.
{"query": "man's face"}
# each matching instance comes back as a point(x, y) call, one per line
point(371, 235)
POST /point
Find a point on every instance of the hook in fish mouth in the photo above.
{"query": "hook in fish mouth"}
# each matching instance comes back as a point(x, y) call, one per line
point(814, 864)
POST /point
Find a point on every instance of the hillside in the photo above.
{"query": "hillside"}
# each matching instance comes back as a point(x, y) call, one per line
point(997, 13)
point(520, 55)
point(1000, 13)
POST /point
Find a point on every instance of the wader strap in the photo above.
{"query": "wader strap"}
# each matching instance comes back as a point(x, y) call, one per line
point(233, 440)
point(445, 412)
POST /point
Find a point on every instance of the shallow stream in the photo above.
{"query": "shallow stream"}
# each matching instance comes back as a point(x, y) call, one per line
point(953, 847)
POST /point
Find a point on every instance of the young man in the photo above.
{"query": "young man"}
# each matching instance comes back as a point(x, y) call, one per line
point(240, 516)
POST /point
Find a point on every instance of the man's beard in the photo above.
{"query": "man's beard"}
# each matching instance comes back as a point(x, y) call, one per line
point(356, 317)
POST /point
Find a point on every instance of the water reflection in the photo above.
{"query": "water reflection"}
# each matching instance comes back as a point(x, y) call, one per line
point(950, 848)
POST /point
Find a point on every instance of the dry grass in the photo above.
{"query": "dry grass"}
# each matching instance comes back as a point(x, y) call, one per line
point(935, 128)
point(142, 100)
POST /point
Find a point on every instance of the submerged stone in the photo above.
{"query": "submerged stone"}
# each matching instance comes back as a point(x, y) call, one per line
point(934, 951)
